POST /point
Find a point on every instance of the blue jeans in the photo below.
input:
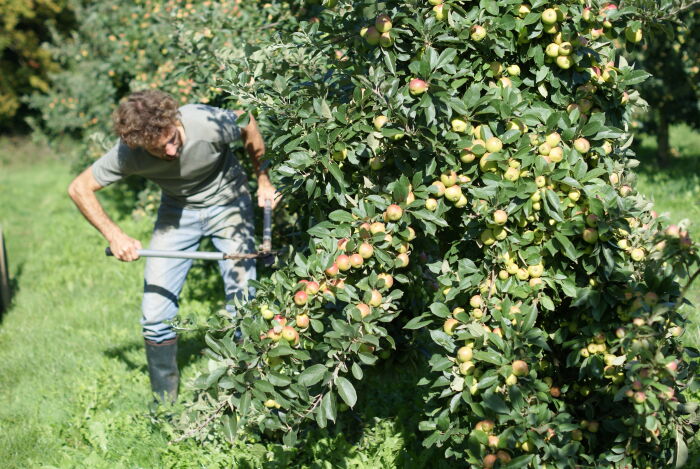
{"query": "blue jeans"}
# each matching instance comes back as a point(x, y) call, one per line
point(231, 230)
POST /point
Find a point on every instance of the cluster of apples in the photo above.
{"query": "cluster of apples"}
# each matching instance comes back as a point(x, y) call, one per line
point(379, 33)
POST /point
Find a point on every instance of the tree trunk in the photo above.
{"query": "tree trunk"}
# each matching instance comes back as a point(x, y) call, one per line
point(663, 154)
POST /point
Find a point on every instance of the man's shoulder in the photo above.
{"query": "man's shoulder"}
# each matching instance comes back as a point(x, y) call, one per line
point(206, 122)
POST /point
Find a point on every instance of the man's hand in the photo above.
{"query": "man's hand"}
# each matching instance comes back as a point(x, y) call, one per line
point(266, 191)
point(125, 247)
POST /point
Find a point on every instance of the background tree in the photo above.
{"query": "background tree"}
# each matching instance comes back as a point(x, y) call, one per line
point(25, 65)
point(673, 93)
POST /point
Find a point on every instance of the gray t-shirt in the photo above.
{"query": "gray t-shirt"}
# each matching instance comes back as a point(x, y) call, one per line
point(205, 174)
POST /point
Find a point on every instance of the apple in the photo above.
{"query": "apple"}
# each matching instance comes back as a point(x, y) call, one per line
point(633, 36)
point(383, 23)
point(459, 125)
point(376, 298)
point(639, 397)
point(485, 426)
point(439, 188)
point(487, 237)
point(372, 36)
point(342, 243)
point(493, 440)
point(577, 435)
point(489, 461)
point(449, 179)
point(465, 354)
point(340, 155)
point(587, 15)
point(343, 262)
point(496, 68)
point(280, 320)
point(312, 288)
point(386, 40)
point(596, 33)
point(494, 145)
point(552, 50)
point(266, 312)
point(402, 260)
point(555, 392)
point(556, 154)
point(625, 98)
point(520, 368)
point(271, 404)
point(590, 235)
point(505, 82)
point(366, 250)
point(582, 145)
point(574, 195)
point(290, 335)
point(467, 156)
point(332, 271)
point(379, 121)
point(477, 33)
point(453, 193)
point(535, 270)
point(450, 325)
point(511, 174)
point(565, 48)
point(376, 163)
point(500, 217)
point(300, 298)
point(394, 212)
point(440, 12)
point(387, 278)
point(549, 16)
point(467, 368)
point(637, 254)
point(356, 260)
point(364, 309)
point(302, 321)
point(514, 71)
point(511, 380)
point(417, 87)
point(564, 62)
point(431, 204)
point(523, 10)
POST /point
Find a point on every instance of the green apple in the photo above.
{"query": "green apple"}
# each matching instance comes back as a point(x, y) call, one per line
point(494, 145)
point(477, 32)
point(383, 23)
point(549, 16)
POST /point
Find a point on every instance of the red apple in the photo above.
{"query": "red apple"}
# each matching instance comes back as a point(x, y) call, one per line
point(417, 87)
point(300, 298)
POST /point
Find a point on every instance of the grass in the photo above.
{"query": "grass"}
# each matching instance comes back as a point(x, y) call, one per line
point(73, 373)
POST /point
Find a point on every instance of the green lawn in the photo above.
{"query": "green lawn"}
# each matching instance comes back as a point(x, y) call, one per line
point(72, 377)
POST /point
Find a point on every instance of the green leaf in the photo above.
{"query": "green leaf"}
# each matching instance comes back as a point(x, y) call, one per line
point(346, 391)
point(312, 375)
point(230, 427)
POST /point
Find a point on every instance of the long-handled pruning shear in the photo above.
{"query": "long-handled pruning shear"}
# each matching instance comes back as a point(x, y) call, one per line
point(265, 252)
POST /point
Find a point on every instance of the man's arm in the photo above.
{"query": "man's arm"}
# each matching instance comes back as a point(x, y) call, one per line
point(255, 147)
point(82, 191)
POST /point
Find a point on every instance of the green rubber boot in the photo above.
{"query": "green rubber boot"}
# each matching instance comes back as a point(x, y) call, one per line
point(162, 368)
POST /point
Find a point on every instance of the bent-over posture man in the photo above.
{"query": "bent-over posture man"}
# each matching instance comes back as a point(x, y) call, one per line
point(186, 152)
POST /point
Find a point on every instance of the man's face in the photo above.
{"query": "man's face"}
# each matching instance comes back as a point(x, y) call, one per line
point(169, 146)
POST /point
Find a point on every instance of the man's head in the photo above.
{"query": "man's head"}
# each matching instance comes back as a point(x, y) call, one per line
point(149, 119)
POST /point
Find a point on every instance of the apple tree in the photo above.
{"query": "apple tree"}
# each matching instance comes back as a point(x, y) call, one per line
point(672, 92)
point(463, 169)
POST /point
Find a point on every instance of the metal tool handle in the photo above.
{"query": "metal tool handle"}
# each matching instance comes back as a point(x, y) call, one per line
point(267, 226)
point(207, 256)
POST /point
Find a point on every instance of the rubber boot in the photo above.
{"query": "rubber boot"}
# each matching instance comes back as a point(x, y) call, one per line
point(162, 368)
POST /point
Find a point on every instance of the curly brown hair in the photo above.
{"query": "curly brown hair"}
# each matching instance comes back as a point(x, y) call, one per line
point(144, 116)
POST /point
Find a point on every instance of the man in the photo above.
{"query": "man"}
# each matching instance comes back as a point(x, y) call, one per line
point(186, 152)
